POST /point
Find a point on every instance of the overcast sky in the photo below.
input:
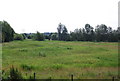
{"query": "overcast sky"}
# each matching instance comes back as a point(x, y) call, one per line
point(45, 15)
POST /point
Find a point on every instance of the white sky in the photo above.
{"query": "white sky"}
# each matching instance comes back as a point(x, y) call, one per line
point(45, 15)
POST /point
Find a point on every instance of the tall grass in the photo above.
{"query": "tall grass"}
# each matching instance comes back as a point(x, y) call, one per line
point(59, 58)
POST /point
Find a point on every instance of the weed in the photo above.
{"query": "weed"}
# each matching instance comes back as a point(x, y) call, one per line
point(57, 66)
point(15, 74)
point(61, 56)
point(27, 67)
point(42, 54)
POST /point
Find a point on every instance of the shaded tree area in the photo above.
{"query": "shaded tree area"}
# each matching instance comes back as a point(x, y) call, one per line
point(7, 32)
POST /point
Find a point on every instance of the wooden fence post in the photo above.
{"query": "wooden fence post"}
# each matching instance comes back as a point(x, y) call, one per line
point(34, 75)
point(50, 78)
point(30, 77)
point(72, 77)
point(113, 78)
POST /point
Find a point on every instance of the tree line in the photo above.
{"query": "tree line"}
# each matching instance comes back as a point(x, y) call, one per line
point(101, 33)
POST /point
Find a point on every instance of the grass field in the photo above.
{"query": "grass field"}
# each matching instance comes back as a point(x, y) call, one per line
point(60, 59)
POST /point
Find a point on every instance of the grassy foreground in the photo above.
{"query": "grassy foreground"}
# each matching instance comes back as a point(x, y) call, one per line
point(60, 59)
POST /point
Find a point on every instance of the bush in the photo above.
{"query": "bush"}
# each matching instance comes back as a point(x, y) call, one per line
point(24, 37)
point(18, 37)
point(29, 37)
point(54, 37)
point(39, 36)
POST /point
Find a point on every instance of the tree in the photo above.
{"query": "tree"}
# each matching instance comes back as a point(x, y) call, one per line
point(101, 32)
point(38, 36)
point(77, 35)
point(60, 26)
point(89, 36)
point(110, 34)
point(88, 28)
point(62, 32)
point(7, 32)
point(24, 37)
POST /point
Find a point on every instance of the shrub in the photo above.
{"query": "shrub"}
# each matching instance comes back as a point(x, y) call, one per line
point(18, 37)
point(29, 37)
point(54, 36)
point(15, 74)
point(38, 36)
point(24, 37)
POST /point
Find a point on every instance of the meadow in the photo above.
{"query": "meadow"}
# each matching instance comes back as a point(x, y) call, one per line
point(60, 59)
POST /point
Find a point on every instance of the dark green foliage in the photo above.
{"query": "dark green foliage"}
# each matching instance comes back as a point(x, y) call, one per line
point(24, 37)
point(7, 32)
point(27, 67)
point(38, 36)
point(59, 31)
point(89, 32)
point(54, 36)
point(62, 32)
point(18, 37)
point(101, 33)
point(47, 37)
point(29, 37)
point(15, 74)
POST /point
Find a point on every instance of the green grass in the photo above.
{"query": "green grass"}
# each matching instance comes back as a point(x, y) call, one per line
point(60, 59)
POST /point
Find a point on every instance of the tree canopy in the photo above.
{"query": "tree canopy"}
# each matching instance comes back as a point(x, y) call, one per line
point(7, 31)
